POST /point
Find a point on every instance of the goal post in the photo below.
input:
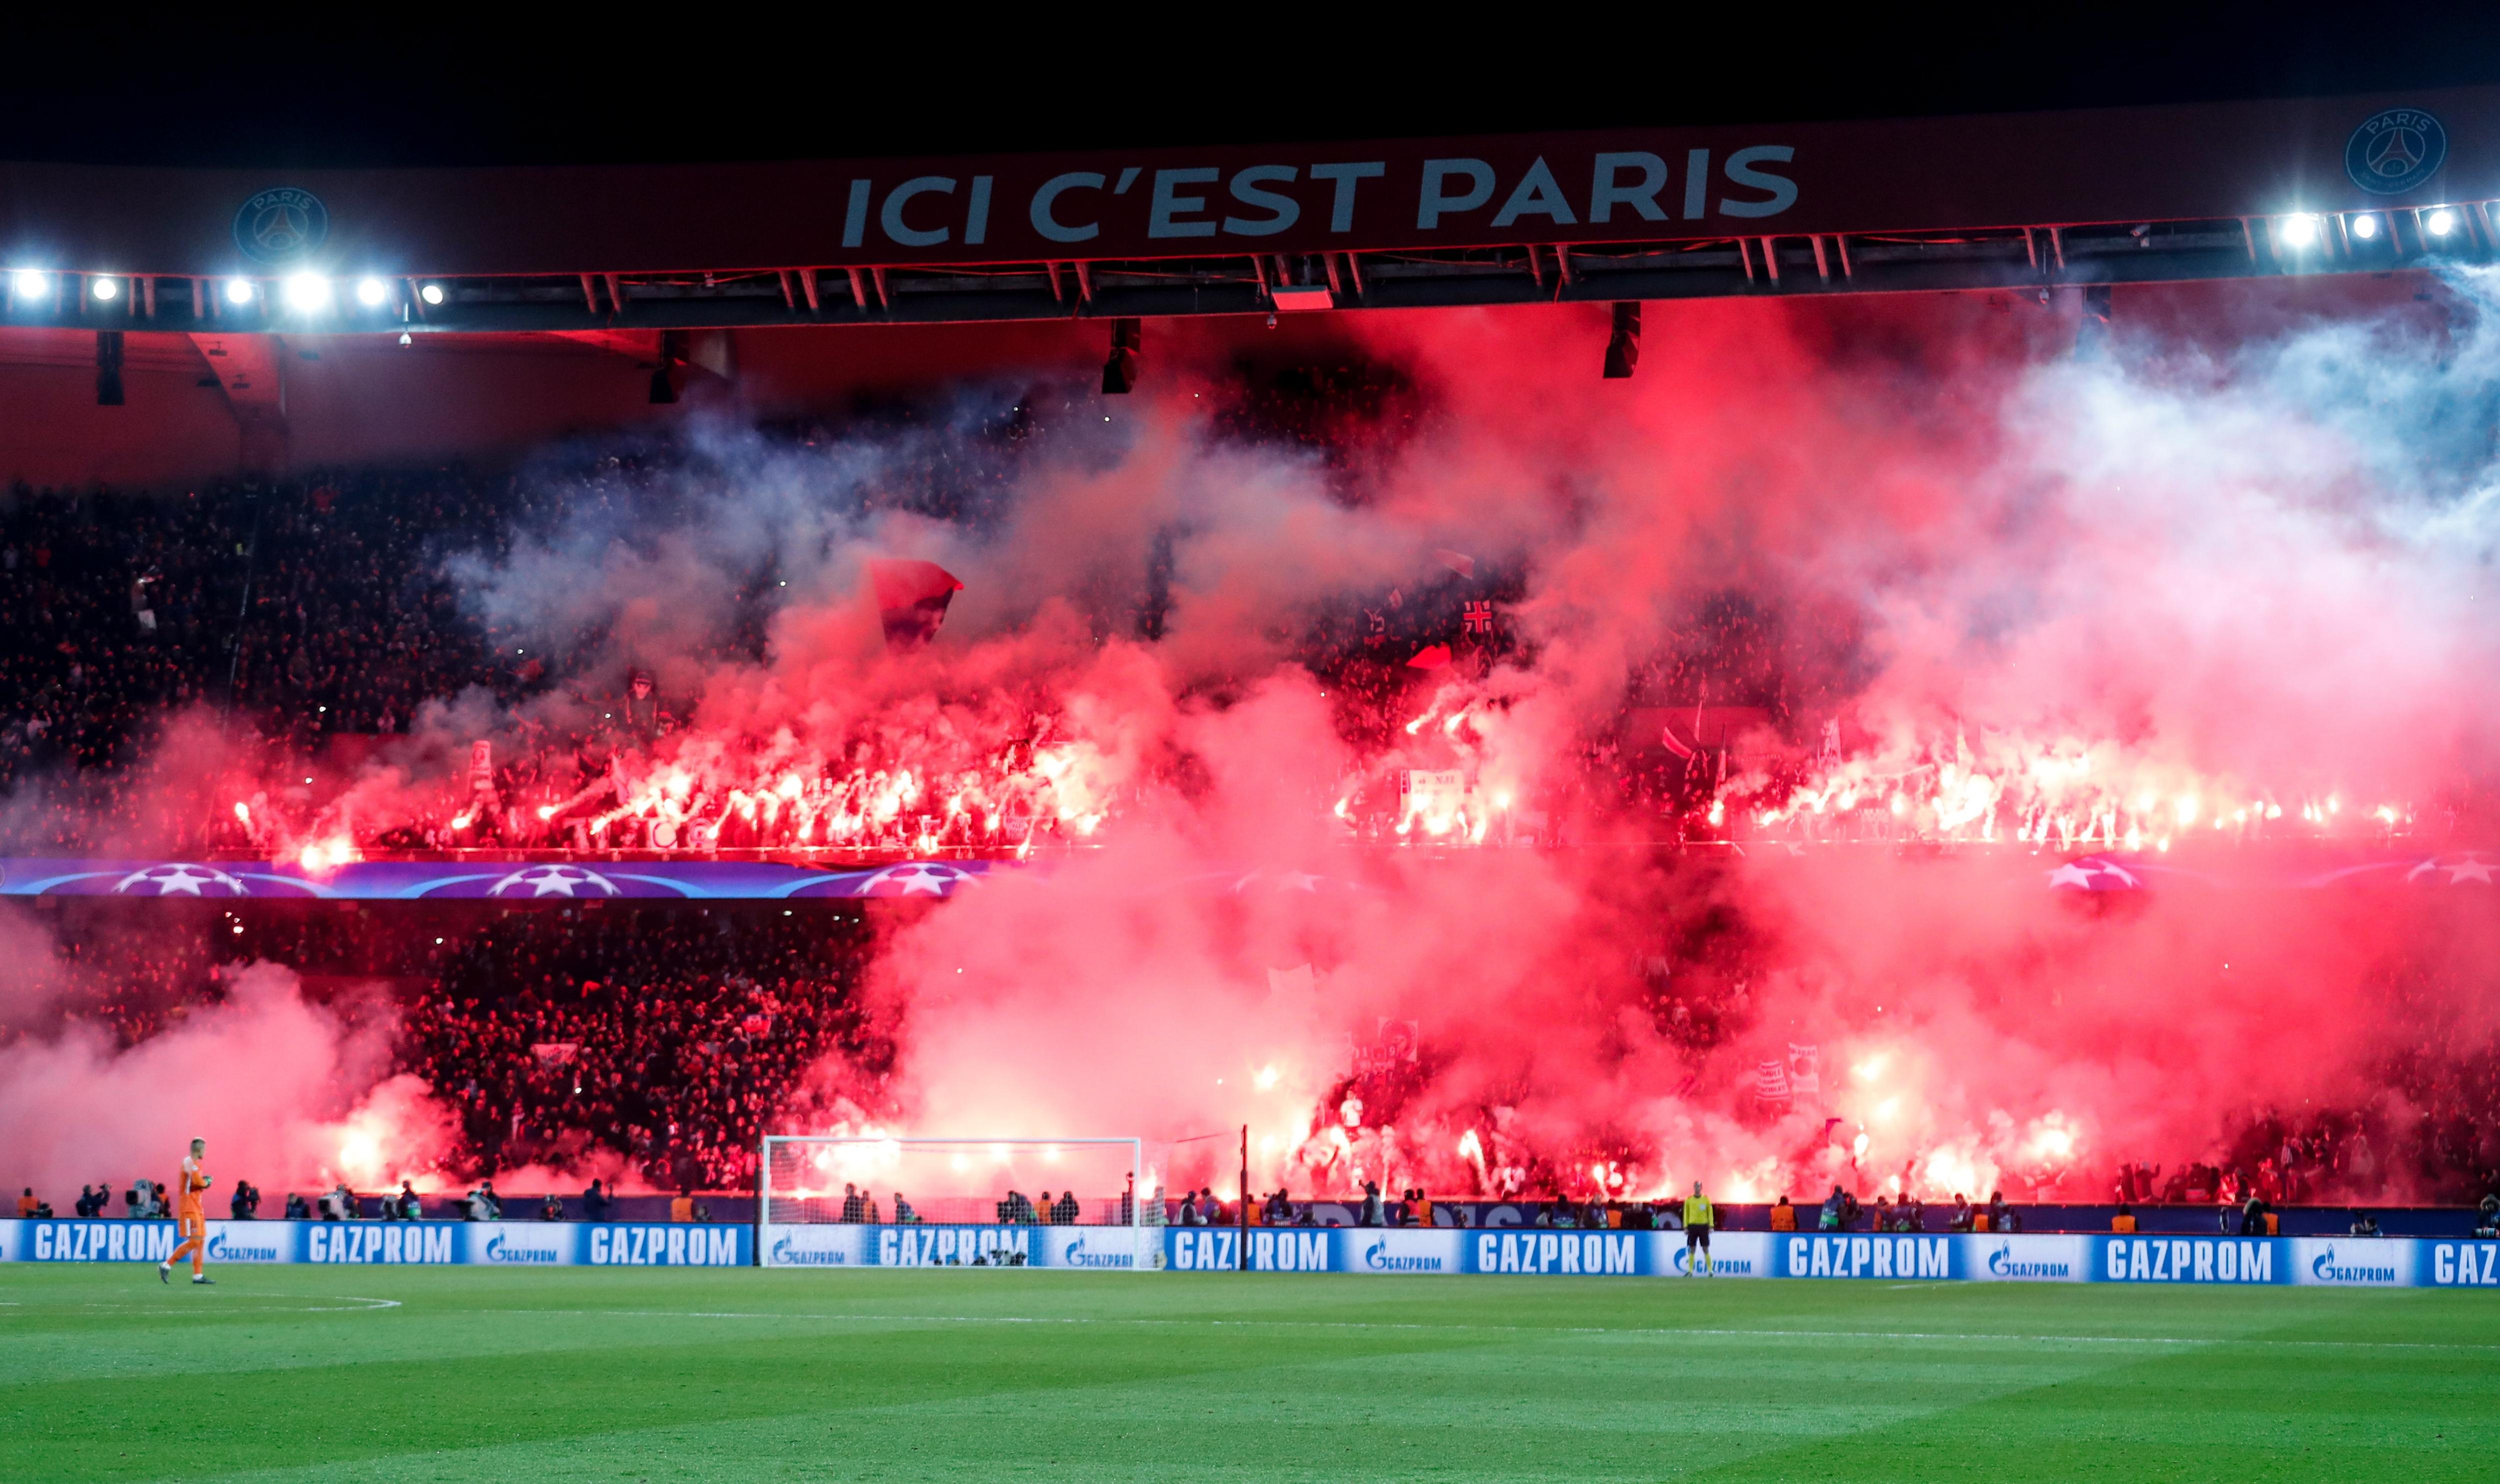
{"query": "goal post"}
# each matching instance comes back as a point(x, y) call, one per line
point(828, 1201)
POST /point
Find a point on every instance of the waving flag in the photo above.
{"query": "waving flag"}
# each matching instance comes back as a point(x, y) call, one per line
point(911, 598)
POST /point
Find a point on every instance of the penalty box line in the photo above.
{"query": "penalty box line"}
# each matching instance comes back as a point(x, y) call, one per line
point(1942, 1336)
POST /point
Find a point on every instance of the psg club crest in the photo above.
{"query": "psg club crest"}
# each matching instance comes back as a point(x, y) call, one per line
point(282, 225)
point(2395, 151)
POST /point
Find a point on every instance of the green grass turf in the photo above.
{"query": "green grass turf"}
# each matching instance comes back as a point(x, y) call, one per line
point(281, 1374)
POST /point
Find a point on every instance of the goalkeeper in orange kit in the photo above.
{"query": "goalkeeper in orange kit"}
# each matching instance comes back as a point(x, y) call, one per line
point(190, 1223)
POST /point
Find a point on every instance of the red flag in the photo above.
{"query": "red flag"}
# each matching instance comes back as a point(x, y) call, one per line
point(911, 598)
point(1432, 656)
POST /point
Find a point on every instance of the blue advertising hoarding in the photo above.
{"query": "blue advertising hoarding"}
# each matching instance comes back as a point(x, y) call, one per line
point(393, 1244)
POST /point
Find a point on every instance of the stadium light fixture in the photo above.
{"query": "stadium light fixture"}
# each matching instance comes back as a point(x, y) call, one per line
point(2365, 226)
point(431, 293)
point(2440, 222)
point(30, 284)
point(2300, 230)
point(371, 292)
point(106, 289)
point(307, 292)
point(1623, 346)
point(240, 290)
point(1120, 366)
point(108, 369)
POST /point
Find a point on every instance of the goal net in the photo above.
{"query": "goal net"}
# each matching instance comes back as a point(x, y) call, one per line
point(828, 1202)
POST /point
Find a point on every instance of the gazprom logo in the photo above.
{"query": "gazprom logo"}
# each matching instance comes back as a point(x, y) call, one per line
point(2327, 1271)
point(785, 1255)
point(224, 1250)
point(2003, 1263)
point(503, 1249)
point(1078, 1257)
point(1724, 1267)
point(1379, 1259)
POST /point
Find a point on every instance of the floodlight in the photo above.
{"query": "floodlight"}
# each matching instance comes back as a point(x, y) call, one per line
point(1622, 345)
point(2365, 226)
point(30, 282)
point(431, 293)
point(371, 292)
point(106, 288)
point(2300, 230)
point(307, 292)
point(2440, 222)
point(240, 290)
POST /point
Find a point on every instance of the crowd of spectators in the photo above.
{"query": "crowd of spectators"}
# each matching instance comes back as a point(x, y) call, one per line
point(671, 1039)
point(663, 1039)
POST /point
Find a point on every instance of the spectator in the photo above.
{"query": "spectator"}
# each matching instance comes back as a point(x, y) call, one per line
point(854, 1205)
point(1067, 1212)
point(595, 1204)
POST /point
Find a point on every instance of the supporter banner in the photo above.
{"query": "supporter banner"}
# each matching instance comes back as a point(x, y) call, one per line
point(2241, 158)
point(834, 1246)
point(507, 880)
point(393, 1244)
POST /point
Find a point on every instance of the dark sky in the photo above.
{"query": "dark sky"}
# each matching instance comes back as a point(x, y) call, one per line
point(632, 84)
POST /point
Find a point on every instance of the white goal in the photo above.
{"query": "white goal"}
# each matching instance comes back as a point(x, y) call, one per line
point(829, 1201)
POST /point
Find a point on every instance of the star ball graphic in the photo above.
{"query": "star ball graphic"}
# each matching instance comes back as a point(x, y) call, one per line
point(179, 878)
point(554, 881)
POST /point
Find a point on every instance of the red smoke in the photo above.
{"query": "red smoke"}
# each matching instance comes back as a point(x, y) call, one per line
point(1945, 582)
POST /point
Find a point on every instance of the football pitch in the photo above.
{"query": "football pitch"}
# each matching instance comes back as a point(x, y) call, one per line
point(291, 1373)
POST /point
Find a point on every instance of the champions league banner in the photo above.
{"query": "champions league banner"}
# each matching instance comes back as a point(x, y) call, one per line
point(522, 879)
point(393, 1244)
point(507, 880)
